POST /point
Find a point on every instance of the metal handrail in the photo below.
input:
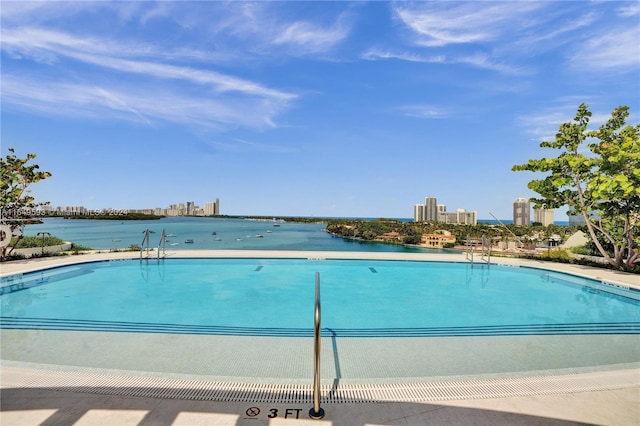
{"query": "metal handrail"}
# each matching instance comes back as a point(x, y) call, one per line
point(146, 233)
point(486, 243)
point(162, 243)
point(316, 412)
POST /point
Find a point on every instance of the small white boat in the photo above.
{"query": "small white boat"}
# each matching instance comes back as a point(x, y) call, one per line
point(259, 236)
point(188, 241)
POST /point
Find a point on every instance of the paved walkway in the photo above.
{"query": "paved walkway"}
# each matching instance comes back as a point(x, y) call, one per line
point(42, 395)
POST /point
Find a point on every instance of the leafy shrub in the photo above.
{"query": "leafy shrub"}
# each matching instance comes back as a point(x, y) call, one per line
point(37, 241)
point(584, 250)
point(76, 248)
point(556, 256)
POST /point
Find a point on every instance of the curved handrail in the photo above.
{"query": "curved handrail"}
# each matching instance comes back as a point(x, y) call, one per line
point(316, 412)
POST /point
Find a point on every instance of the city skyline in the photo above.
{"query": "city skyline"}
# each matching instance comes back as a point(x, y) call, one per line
point(187, 208)
point(315, 109)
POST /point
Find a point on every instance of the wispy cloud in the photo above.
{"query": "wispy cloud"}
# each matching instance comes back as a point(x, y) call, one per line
point(242, 145)
point(140, 103)
point(51, 44)
point(309, 38)
point(616, 49)
point(629, 10)
point(443, 23)
point(544, 124)
point(424, 111)
point(505, 34)
point(478, 60)
point(375, 53)
point(160, 101)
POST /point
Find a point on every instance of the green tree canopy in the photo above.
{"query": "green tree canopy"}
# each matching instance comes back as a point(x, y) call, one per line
point(16, 201)
point(597, 175)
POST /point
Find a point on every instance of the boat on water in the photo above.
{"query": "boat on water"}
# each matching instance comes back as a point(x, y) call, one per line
point(188, 241)
point(172, 235)
point(174, 244)
point(269, 232)
point(259, 236)
point(116, 240)
point(238, 239)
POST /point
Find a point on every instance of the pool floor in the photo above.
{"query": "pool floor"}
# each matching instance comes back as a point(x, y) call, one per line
point(349, 360)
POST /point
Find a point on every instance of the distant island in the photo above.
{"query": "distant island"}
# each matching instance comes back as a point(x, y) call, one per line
point(394, 231)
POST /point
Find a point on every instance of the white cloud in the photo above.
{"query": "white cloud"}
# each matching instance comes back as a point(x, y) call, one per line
point(443, 23)
point(145, 104)
point(424, 111)
point(256, 104)
point(629, 10)
point(310, 38)
point(614, 49)
point(375, 54)
point(545, 124)
point(479, 60)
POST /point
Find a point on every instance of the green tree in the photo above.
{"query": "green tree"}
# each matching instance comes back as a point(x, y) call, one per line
point(597, 175)
point(16, 202)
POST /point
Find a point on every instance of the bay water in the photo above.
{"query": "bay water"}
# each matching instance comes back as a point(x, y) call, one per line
point(205, 233)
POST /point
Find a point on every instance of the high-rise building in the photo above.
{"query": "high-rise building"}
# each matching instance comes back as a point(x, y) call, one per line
point(212, 208)
point(521, 212)
point(430, 209)
point(543, 216)
point(470, 218)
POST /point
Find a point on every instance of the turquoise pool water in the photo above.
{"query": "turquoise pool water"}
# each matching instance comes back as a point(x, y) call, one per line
point(275, 297)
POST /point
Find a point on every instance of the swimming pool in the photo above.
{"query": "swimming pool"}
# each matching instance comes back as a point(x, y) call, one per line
point(252, 320)
point(274, 297)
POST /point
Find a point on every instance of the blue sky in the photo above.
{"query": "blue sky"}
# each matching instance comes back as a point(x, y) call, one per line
point(306, 108)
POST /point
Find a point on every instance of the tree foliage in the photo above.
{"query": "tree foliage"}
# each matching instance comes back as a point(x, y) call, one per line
point(597, 175)
point(16, 201)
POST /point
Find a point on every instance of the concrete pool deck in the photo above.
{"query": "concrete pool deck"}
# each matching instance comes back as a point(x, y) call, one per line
point(41, 394)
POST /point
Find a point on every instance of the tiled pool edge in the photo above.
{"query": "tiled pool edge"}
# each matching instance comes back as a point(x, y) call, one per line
point(296, 393)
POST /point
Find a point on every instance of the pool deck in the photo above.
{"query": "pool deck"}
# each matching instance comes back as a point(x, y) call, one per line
point(35, 395)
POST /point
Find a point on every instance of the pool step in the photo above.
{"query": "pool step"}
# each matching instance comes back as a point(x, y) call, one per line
point(16, 323)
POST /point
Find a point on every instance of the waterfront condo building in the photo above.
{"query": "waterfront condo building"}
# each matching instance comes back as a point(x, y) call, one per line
point(427, 211)
point(212, 208)
point(543, 216)
point(521, 212)
point(459, 216)
point(431, 211)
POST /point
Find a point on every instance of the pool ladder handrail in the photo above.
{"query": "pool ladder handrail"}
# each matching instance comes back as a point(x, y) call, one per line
point(162, 243)
point(147, 232)
point(316, 412)
point(485, 249)
point(469, 251)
